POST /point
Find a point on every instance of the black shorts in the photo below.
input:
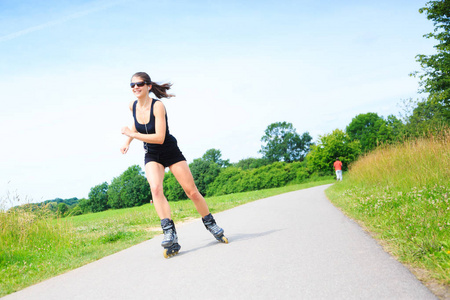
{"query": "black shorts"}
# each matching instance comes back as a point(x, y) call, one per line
point(166, 158)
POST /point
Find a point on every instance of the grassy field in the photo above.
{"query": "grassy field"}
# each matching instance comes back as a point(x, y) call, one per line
point(34, 246)
point(401, 195)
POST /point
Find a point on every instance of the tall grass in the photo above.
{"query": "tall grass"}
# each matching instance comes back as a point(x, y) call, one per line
point(401, 193)
point(26, 238)
point(35, 246)
point(420, 162)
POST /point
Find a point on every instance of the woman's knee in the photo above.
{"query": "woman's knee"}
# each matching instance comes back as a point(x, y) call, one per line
point(193, 193)
point(156, 190)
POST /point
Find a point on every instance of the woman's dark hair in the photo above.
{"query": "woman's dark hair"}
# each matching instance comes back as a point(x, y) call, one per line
point(160, 90)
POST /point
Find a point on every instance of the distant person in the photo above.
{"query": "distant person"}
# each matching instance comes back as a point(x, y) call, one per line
point(338, 168)
point(161, 151)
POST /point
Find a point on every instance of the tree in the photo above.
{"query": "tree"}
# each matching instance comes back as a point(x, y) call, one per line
point(85, 206)
point(366, 128)
point(371, 130)
point(98, 198)
point(215, 156)
point(435, 75)
point(62, 209)
point(204, 173)
point(283, 143)
point(207, 168)
point(129, 189)
point(395, 127)
point(329, 147)
point(427, 117)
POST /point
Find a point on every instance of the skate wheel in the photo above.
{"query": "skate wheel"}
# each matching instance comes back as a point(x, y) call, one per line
point(171, 252)
point(224, 240)
point(167, 255)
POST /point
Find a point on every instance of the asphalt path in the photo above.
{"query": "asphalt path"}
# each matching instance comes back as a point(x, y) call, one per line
point(291, 246)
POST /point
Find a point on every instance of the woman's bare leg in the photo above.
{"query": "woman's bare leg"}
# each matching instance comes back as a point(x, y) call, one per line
point(183, 175)
point(155, 176)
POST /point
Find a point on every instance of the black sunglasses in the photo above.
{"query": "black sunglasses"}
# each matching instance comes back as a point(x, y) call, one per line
point(139, 84)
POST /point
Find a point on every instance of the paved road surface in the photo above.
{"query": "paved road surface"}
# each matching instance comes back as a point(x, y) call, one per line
point(292, 246)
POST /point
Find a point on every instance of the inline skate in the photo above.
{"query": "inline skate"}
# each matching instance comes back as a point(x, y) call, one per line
point(170, 240)
point(216, 231)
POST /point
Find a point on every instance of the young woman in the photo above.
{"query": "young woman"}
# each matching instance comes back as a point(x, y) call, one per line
point(161, 151)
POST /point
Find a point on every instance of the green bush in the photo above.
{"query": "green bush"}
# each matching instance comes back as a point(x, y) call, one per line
point(172, 189)
point(251, 163)
point(226, 182)
point(235, 180)
point(75, 211)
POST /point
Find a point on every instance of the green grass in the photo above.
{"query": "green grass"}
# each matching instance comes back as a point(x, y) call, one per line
point(401, 194)
point(35, 247)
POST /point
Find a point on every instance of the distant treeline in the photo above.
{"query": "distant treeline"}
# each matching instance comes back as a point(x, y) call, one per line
point(59, 207)
point(56, 201)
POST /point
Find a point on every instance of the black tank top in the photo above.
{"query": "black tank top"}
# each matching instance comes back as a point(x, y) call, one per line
point(149, 128)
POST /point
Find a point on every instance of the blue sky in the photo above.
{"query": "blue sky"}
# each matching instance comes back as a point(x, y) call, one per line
point(236, 66)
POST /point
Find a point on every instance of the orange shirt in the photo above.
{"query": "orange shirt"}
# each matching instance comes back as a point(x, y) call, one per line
point(337, 165)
